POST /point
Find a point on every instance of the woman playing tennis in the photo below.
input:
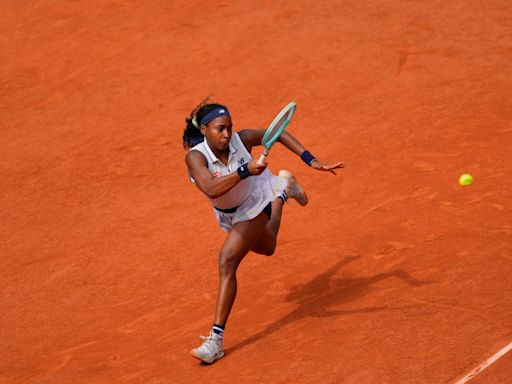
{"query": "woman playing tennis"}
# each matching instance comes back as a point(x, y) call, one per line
point(247, 199)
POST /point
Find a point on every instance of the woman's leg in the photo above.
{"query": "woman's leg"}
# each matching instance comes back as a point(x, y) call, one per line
point(267, 242)
point(241, 239)
point(239, 242)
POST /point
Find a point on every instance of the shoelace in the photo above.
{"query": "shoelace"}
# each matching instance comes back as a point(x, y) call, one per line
point(208, 339)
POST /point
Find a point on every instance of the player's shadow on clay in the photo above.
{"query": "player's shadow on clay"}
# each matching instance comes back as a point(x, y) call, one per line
point(317, 297)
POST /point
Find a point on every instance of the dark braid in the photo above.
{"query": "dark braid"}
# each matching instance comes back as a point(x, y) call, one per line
point(192, 135)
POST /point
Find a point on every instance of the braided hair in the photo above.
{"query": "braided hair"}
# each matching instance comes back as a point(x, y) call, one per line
point(192, 134)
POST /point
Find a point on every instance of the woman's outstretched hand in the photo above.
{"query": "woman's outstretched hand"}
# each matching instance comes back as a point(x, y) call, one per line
point(316, 164)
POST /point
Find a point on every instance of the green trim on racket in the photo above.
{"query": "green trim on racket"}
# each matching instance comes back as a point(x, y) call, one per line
point(274, 131)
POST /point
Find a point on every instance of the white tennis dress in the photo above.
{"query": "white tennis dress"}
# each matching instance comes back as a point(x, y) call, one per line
point(251, 195)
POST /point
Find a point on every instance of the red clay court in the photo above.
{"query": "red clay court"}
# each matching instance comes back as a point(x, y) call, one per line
point(393, 273)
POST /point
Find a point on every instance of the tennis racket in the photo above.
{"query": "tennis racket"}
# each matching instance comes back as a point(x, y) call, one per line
point(276, 128)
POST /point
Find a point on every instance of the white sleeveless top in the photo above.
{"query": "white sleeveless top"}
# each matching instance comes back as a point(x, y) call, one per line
point(250, 195)
point(238, 155)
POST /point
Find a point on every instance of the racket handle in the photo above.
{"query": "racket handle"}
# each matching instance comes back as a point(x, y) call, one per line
point(263, 157)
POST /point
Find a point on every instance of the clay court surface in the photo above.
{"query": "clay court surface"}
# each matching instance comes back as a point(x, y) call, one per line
point(392, 274)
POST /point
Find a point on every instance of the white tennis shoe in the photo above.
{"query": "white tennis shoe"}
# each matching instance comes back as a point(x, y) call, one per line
point(293, 189)
point(210, 350)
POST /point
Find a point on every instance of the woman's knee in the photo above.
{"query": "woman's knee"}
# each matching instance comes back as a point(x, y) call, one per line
point(266, 248)
point(228, 262)
point(268, 251)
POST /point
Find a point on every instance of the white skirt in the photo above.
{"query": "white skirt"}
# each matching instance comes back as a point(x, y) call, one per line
point(265, 189)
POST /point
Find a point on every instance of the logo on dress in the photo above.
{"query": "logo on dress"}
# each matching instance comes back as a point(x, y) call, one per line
point(241, 161)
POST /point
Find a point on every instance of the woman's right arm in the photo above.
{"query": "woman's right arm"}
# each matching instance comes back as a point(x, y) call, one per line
point(211, 186)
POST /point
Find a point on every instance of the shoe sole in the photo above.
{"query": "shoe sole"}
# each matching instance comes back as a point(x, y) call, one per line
point(306, 200)
point(208, 361)
point(289, 176)
point(303, 193)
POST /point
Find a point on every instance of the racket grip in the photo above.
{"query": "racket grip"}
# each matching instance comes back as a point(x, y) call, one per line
point(263, 157)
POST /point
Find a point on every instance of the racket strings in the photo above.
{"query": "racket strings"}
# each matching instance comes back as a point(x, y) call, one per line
point(275, 131)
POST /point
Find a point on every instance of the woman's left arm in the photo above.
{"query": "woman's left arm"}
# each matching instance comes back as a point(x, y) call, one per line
point(294, 145)
point(252, 138)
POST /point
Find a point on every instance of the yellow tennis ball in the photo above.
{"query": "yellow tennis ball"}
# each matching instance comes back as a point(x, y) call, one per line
point(465, 180)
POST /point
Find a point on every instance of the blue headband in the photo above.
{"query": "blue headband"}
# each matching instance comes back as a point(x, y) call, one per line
point(220, 111)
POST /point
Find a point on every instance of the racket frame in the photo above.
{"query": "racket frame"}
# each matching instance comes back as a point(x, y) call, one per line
point(268, 141)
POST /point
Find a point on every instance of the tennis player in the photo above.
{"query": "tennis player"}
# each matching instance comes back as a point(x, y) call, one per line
point(247, 199)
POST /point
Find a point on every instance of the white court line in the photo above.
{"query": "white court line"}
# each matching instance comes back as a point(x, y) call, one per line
point(485, 364)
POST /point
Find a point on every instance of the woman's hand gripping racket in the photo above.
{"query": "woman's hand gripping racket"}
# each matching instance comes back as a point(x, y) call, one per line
point(276, 128)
